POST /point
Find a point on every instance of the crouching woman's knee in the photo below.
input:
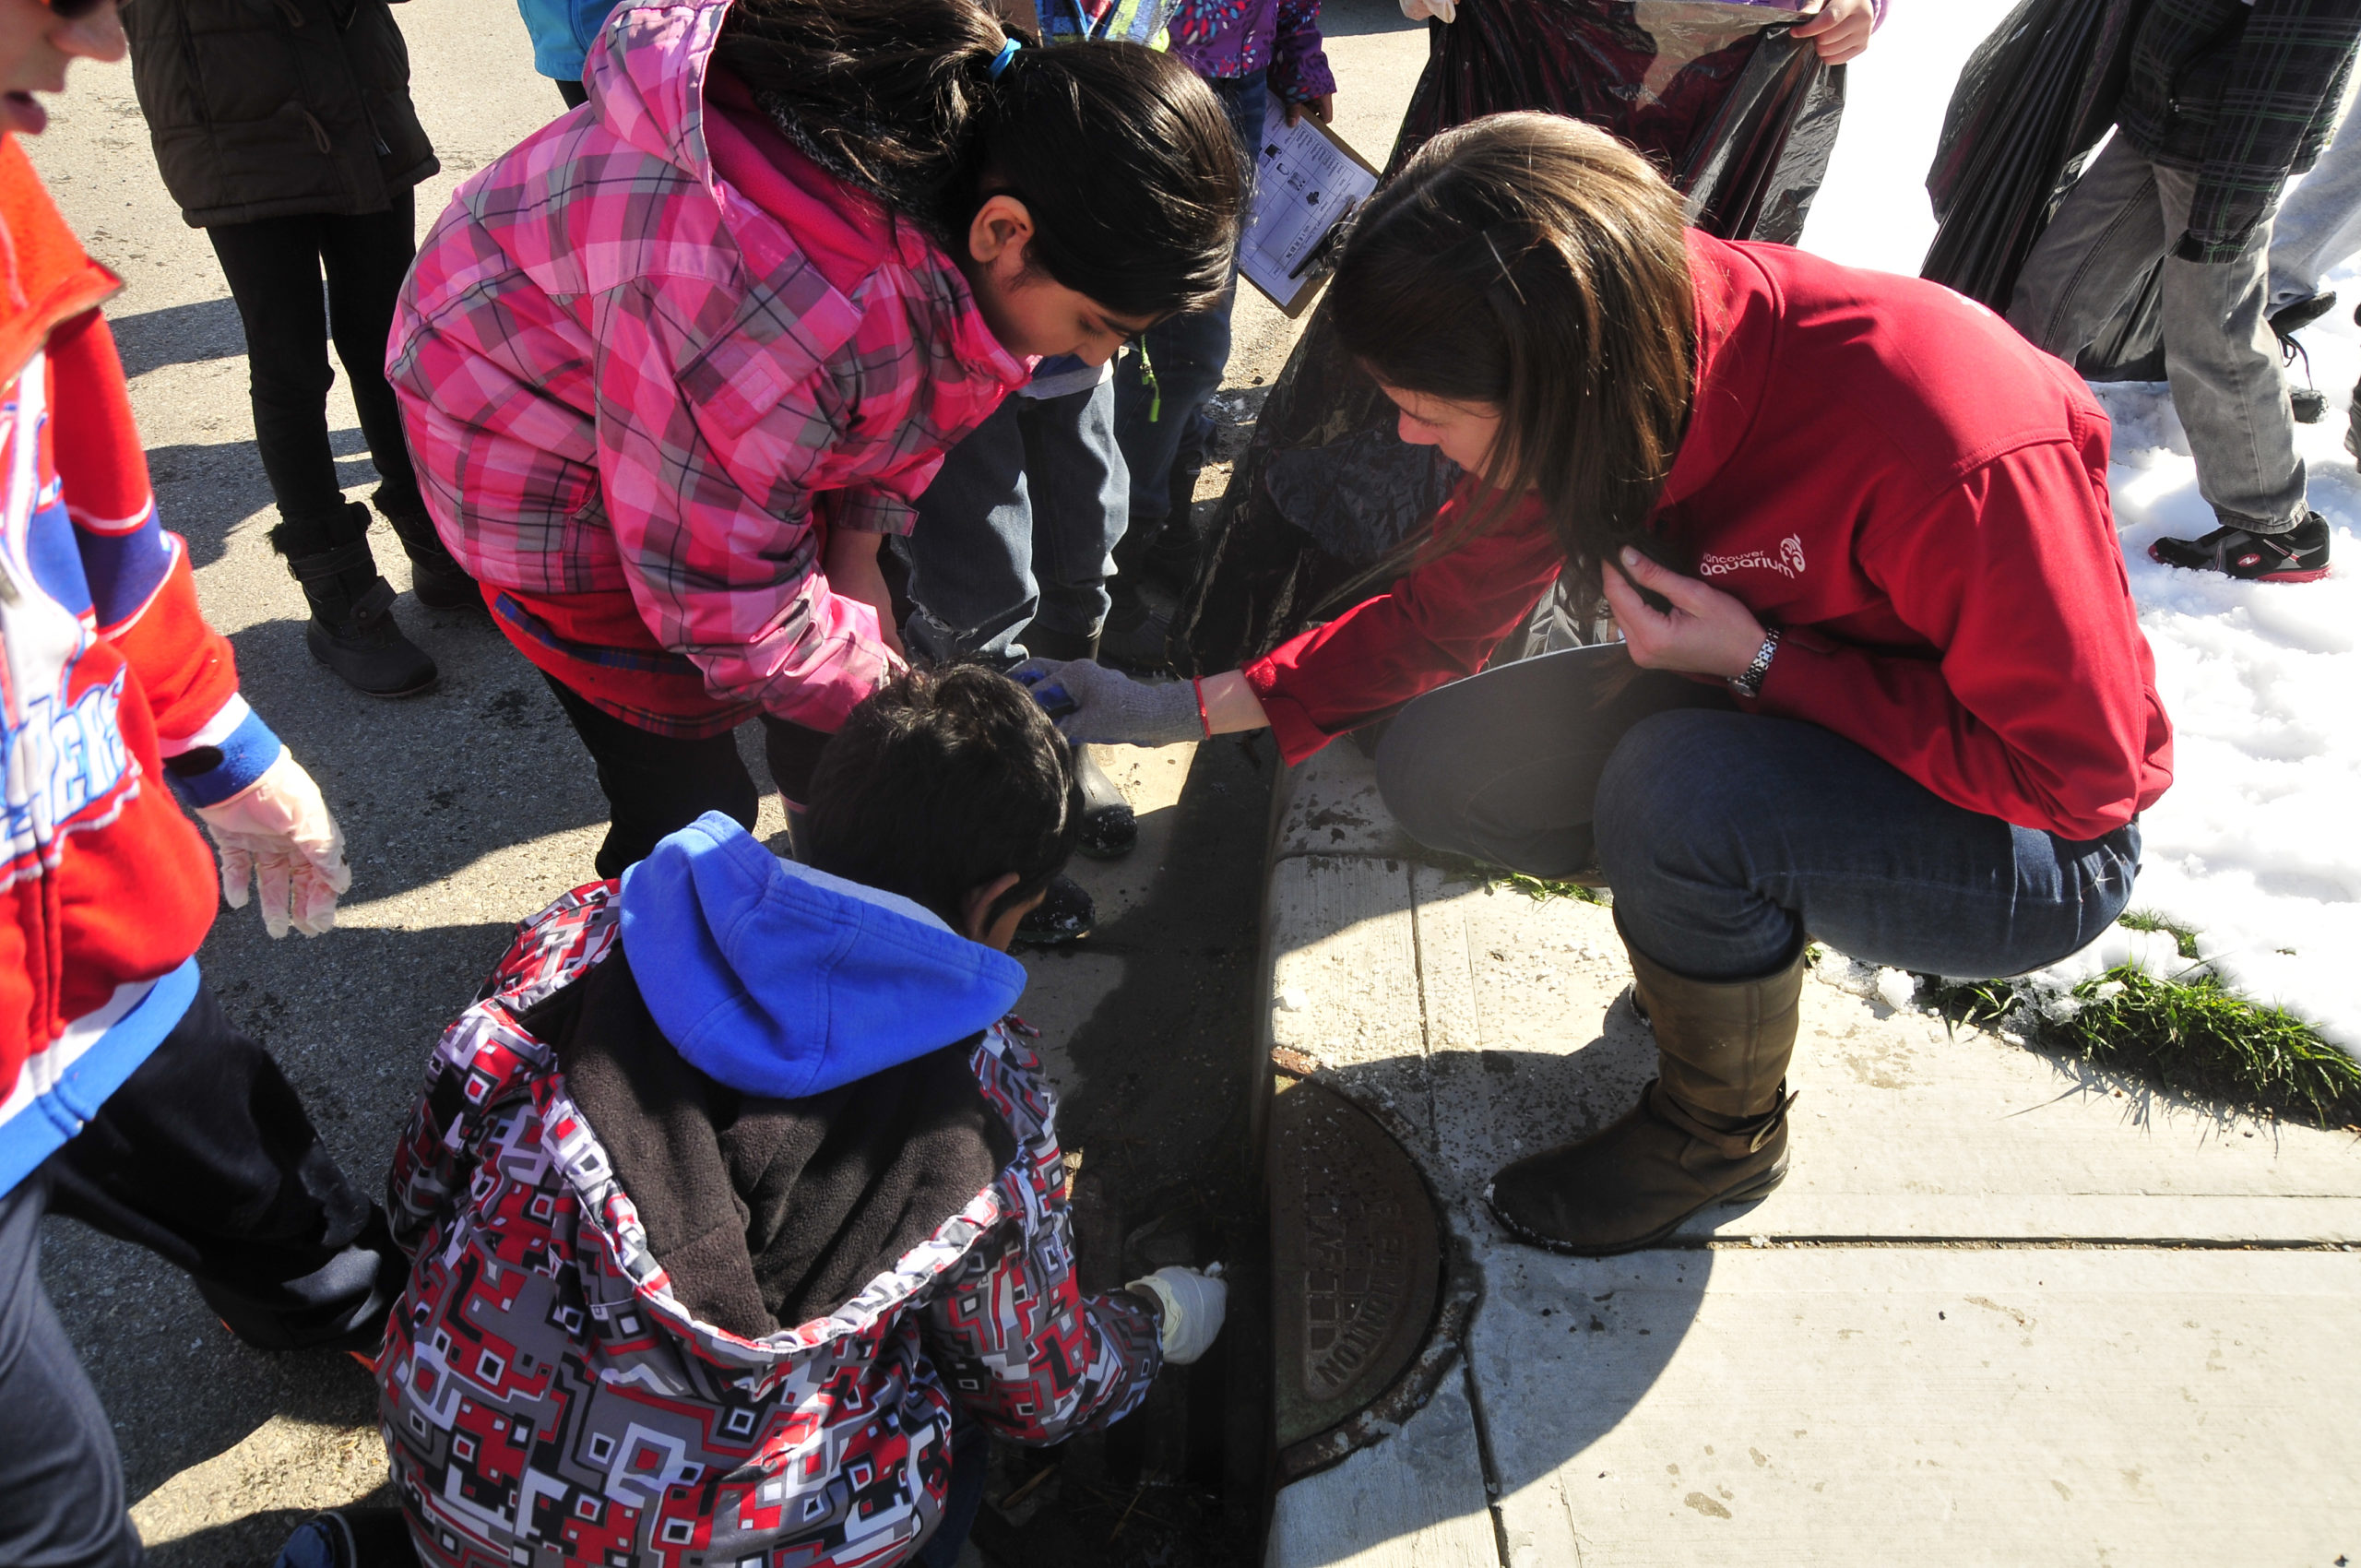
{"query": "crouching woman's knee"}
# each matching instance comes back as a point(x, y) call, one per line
point(1426, 782)
point(1664, 810)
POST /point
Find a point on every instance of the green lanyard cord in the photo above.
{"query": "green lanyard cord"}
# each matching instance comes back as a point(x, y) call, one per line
point(1155, 390)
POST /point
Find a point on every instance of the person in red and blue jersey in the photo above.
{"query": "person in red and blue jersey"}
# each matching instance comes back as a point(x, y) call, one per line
point(127, 1098)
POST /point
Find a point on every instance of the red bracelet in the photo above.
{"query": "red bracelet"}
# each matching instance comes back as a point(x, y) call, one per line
point(1202, 717)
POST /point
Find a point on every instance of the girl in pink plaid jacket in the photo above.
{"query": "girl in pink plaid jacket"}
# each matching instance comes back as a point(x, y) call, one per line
point(675, 364)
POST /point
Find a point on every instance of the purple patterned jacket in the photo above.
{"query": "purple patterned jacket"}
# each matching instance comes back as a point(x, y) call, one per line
point(1237, 37)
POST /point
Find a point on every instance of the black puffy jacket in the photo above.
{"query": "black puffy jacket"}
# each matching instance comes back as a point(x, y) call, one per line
point(269, 108)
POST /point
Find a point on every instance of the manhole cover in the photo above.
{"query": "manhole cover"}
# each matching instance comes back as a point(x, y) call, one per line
point(1355, 1260)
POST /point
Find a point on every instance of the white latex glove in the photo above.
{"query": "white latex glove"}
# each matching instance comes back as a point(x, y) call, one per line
point(1193, 1303)
point(1440, 10)
point(277, 831)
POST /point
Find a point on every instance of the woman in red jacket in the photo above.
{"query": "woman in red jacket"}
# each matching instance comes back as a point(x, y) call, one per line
point(1863, 519)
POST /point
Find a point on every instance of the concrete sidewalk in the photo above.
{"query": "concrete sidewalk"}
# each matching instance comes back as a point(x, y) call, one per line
point(2002, 1312)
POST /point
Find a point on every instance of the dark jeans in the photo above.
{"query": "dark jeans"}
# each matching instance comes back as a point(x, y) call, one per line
point(573, 92)
point(970, 1453)
point(1727, 837)
point(206, 1158)
point(274, 265)
point(1186, 355)
point(659, 784)
point(1014, 531)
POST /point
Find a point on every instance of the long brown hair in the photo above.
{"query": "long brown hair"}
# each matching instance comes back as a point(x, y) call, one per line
point(1536, 266)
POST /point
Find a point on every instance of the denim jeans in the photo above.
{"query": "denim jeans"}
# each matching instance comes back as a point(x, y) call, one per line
point(1728, 836)
point(1185, 354)
point(1015, 531)
point(2122, 216)
point(970, 1454)
point(2319, 223)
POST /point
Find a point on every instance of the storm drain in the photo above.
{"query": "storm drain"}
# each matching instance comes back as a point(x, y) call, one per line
point(1356, 1268)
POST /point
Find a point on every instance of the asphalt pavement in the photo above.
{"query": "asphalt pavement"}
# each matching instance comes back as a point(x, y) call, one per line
point(467, 809)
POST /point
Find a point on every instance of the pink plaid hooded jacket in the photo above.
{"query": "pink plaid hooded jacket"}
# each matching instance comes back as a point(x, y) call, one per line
point(647, 357)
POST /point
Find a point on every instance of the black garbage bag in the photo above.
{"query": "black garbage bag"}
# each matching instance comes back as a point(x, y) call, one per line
point(1327, 505)
point(2032, 101)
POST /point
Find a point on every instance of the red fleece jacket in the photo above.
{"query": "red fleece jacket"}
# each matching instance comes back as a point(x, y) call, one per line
point(1890, 474)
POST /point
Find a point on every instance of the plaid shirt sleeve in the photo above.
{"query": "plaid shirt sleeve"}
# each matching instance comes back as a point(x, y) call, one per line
point(2292, 59)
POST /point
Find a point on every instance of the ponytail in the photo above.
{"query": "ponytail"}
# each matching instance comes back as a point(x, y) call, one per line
point(1122, 156)
point(1535, 265)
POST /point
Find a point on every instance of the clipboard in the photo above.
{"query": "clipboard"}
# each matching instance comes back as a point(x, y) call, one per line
point(1307, 180)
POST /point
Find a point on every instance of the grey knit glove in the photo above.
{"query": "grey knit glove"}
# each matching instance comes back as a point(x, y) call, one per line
point(1091, 703)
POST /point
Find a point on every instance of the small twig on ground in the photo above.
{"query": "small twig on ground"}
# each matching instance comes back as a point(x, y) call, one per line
point(1127, 1515)
point(1025, 1489)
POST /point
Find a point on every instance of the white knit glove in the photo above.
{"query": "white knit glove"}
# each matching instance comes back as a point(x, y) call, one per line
point(1091, 703)
point(1192, 1305)
point(1440, 10)
point(277, 831)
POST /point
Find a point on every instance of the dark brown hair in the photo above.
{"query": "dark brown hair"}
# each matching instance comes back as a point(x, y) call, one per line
point(1538, 265)
point(1122, 155)
point(939, 782)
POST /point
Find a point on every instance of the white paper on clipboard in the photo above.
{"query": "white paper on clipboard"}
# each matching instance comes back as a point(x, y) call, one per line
point(1306, 179)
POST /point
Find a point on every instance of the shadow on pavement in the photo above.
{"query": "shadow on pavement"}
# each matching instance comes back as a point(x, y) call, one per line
point(189, 334)
point(429, 785)
point(350, 1017)
point(1358, 18)
point(1164, 1122)
point(203, 491)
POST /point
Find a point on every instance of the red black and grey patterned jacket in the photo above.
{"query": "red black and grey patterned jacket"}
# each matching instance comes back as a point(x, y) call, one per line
point(545, 1397)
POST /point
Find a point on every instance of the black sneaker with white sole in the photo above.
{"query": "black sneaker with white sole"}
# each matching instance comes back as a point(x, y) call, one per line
point(2299, 555)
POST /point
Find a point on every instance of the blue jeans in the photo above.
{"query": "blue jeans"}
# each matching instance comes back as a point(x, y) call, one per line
point(970, 1453)
point(1185, 354)
point(1728, 836)
point(1015, 531)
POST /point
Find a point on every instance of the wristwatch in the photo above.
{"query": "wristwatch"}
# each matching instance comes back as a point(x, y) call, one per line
point(1748, 684)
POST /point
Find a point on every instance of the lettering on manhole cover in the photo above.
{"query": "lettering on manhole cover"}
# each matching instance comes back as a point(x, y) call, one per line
point(1354, 1259)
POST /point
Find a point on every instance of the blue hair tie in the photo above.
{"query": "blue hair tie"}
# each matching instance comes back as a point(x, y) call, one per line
point(1007, 52)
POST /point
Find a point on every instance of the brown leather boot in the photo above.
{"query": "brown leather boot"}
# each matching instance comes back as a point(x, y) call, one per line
point(1711, 1127)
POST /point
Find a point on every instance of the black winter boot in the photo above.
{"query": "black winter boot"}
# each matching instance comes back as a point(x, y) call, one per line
point(352, 630)
point(1108, 828)
point(1711, 1128)
point(436, 579)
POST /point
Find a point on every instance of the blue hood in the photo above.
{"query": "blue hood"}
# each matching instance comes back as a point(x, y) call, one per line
point(779, 980)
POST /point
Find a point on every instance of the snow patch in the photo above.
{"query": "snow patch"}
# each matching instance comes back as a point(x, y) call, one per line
point(2257, 847)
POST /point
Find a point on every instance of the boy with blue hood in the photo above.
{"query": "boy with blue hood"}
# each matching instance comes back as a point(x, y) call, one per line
point(737, 1212)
